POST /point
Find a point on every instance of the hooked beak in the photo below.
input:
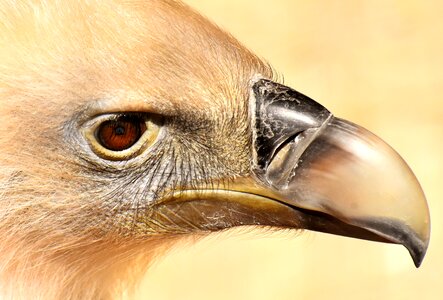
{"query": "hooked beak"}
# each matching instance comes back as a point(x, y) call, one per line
point(350, 181)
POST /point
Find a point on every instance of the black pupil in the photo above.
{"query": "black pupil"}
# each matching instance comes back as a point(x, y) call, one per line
point(119, 130)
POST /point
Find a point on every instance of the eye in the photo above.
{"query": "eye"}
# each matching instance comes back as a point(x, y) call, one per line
point(121, 136)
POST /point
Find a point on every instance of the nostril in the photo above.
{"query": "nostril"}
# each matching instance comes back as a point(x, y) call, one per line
point(283, 161)
point(286, 158)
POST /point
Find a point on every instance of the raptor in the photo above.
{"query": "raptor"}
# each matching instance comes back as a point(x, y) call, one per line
point(128, 125)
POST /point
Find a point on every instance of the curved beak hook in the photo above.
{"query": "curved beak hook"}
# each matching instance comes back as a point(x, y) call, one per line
point(335, 169)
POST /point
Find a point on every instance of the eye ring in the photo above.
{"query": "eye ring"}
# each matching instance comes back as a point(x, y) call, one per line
point(122, 136)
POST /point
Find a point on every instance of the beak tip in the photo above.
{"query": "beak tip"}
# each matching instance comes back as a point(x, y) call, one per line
point(414, 242)
point(417, 249)
point(418, 253)
point(397, 232)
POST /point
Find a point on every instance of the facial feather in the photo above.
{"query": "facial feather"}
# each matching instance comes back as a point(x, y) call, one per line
point(64, 214)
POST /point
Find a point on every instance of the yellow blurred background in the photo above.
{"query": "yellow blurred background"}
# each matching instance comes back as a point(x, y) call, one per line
point(377, 63)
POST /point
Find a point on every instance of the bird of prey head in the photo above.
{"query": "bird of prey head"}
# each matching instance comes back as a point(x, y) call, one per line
point(126, 125)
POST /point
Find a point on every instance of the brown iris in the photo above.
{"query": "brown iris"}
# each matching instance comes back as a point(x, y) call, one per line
point(120, 134)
